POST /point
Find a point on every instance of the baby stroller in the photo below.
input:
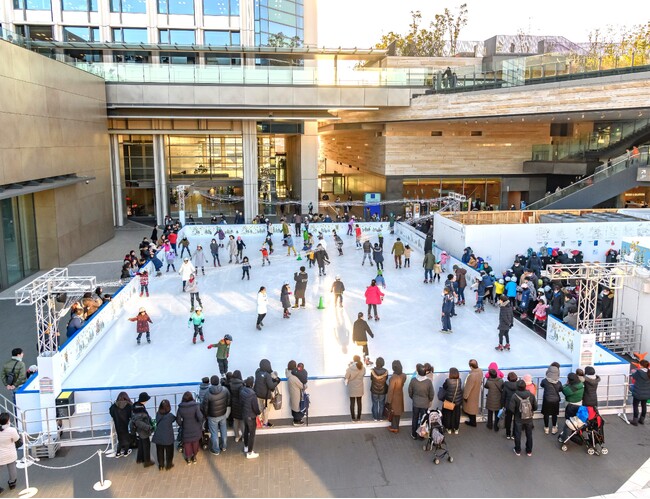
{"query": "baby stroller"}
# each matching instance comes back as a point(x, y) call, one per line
point(432, 423)
point(586, 428)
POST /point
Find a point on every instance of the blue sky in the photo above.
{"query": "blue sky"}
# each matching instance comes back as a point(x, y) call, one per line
point(360, 23)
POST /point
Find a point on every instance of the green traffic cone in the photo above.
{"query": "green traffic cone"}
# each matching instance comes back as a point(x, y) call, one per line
point(299, 258)
point(321, 306)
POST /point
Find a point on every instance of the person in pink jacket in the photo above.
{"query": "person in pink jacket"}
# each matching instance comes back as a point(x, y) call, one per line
point(374, 297)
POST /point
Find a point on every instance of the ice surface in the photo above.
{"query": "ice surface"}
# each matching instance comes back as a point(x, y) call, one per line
point(408, 329)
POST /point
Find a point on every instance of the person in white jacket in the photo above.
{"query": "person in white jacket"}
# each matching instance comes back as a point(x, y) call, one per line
point(186, 270)
point(8, 455)
point(262, 303)
point(199, 259)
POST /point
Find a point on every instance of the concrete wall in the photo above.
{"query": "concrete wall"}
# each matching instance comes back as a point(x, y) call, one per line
point(53, 122)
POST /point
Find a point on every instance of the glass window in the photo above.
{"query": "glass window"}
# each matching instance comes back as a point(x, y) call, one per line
point(219, 38)
point(137, 158)
point(177, 36)
point(177, 58)
point(234, 7)
point(130, 35)
point(19, 255)
point(80, 5)
point(33, 4)
point(210, 157)
point(235, 38)
point(80, 34)
point(176, 7)
point(222, 60)
point(215, 7)
point(40, 33)
point(131, 57)
point(129, 6)
point(84, 55)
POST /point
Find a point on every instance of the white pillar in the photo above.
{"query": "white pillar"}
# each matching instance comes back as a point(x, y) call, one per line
point(247, 23)
point(249, 142)
point(309, 166)
point(160, 178)
point(116, 182)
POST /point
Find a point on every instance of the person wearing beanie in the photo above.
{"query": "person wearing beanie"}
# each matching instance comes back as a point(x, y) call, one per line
point(185, 271)
point(517, 406)
point(640, 392)
point(509, 389)
point(378, 388)
point(338, 288)
point(203, 389)
point(223, 352)
point(360, 332)
point(452, 391)
point(141, 421)
point(573, 392)
point(552, 387)
point(142, 321)
point(590, 396)
point(494, 386)
point(530, 386)
point(379, 279)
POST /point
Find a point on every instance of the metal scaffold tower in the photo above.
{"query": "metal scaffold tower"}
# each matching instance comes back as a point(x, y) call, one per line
point(619, 334)
point(49, 292)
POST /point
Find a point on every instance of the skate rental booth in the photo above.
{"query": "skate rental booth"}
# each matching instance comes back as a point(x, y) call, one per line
point(101, 359)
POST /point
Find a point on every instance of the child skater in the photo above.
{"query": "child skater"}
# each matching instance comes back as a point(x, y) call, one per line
point(197, 319)
point(285, 292)
point(144, 282)
point(171, 258)
point(407, 256)
point(142, 321)
point(265, 256)
point(379, 279)
point(246, 267)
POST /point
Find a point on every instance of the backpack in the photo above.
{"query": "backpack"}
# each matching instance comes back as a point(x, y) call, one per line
point(526, 408)
point(304, 401)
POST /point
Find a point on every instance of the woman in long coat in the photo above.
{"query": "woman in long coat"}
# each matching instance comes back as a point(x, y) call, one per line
point(354, 379)
point(472, 392)
point(190, 419)
point(395, 395)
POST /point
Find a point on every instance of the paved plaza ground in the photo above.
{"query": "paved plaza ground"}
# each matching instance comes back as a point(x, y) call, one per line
point(363, 461)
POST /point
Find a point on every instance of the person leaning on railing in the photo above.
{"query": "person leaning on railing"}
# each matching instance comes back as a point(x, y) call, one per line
point(8, 454)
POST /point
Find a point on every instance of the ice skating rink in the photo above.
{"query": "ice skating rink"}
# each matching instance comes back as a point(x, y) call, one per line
point(409, 329)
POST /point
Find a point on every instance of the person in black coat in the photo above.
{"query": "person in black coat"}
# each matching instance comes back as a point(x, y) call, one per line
point(360, 330)
point(266, 380)
point(163, 437)
point(236, 384)
point(606, 304)
point(551, 399)
point(120, 411)
point(216, 408)
point(509, 389)
point(301, 279)
point(505, 322)
point(141, 422)
point(250, 410)
point(590, 395)
point(522, 424)
point(452, 391)
point(190, 419)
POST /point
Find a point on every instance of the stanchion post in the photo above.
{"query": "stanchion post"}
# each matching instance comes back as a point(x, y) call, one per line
point(102, 484)
point(27, 491)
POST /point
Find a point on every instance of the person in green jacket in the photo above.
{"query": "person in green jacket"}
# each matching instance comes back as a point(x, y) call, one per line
point(197, 319)
point(223, 352)
point(573, 391)
point(428, 264)
point(14, 373)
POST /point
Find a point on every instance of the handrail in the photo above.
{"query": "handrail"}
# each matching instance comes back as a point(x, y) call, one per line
point(621, 163)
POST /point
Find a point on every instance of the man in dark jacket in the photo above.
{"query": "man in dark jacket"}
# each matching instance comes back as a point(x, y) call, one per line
point(250, 409)
point(322, 258)
point(460, 284)
point(266, 380)
point(505, 322)
point(557, 303)
point(216, 408)
point(534, 264)
point(301, 279)
point(236, 384)
point(606, 304)
point(360, 330)
point(590, 396)
point(523, 417)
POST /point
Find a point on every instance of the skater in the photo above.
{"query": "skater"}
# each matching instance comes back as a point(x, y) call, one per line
point(505, 323)
point(297, 224)
point(301, 279)
point(197, 319)
point(540, 311)
point(322, 258)
point(354, 380)
point(391, 222)
point(338, 242)
point(360, 330)
point(367, 252)
point(262, 303)
point(429, 264)
point(460, 284)
point(374, 297)
point(144, 282)
point(288, 240)
point(246, 269)
point(173, 238)
point(240, 249)
point(223, 352)
point(379, 278)
point(447, 310)
point(199, 259)
point(380, 237)
point(338, 288)
point(350, 226)
point(494, 387)
point(186, 270)
point(398, 251)
point(214, 249)
point(232, 249)
point(357, 235)
point(171, 258)
point(407, 256)
point(285, 299)
point(378, 256)
point(142, 321)
point(523, 405)
point(193, 289)
point(265, 256)
point(185, 245)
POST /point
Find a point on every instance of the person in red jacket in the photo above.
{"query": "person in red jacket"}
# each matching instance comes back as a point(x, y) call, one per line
point(142, 326)
point(173, 238)
point(374, 297)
